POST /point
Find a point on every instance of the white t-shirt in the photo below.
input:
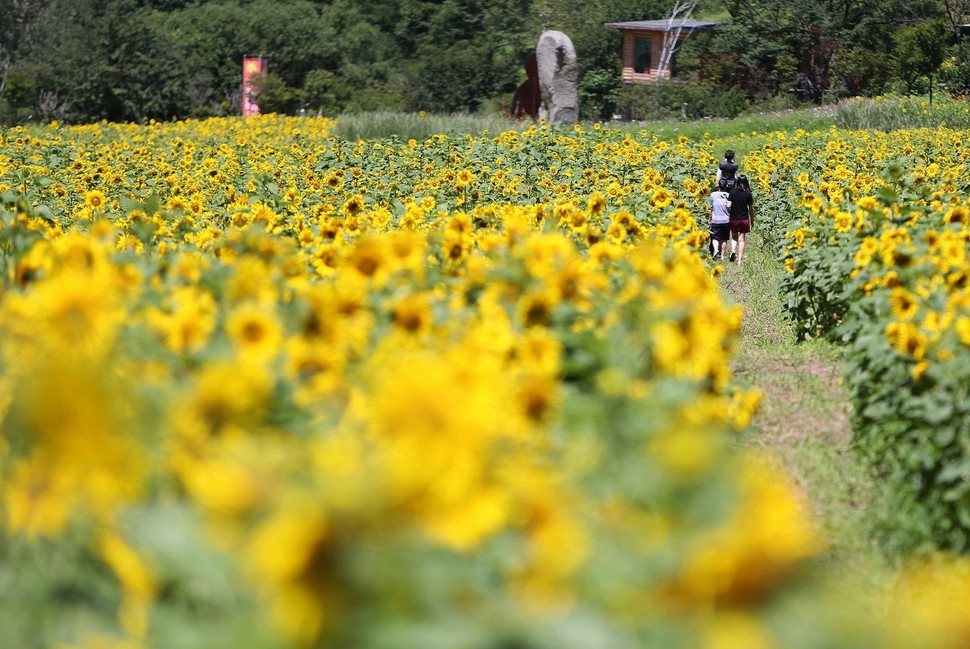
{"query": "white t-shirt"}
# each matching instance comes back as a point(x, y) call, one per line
point(720, 210)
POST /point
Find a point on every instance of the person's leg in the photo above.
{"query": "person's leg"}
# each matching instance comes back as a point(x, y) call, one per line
point(721, 236)
point(732, 236)
point(742, 238)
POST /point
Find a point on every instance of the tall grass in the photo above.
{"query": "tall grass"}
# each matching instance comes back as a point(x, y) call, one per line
point(420, 126)
point(810, 119)
point(896, 113)
point(385, 124)
point(883, 114)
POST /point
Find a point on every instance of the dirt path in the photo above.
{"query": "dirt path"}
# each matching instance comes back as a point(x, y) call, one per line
point(804, 417)
point(803, 397)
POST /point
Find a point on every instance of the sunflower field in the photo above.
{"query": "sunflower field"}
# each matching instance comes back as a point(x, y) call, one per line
point(261, 387)
point(879, 260)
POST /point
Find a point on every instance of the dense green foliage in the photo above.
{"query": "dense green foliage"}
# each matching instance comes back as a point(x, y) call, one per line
point(135, 60)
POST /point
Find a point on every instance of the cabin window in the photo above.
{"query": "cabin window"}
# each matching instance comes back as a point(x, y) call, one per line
point(641, 54)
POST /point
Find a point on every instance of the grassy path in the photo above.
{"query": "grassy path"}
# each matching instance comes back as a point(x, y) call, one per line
point(804, 417)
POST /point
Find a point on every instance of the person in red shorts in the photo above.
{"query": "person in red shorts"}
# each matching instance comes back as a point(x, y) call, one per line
point(742, 217)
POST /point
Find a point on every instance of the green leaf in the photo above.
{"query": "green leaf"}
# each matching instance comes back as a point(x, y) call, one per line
point(152, 204)
point(887, 195)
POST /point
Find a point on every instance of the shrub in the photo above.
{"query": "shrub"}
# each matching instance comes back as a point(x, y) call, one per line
point(708, 100)
point(599, 91)
point(954, 74)
point(658, 100)
point(664, 99)
point(861, 71)
point(277, 97)
point(18, 100)
point(326, 92)
point(779, 102)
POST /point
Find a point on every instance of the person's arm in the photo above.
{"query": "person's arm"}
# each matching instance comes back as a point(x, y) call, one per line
point(751, 213)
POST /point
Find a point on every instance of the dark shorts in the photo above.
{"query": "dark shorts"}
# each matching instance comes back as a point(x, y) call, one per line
point(720, 231)
point(740, 226)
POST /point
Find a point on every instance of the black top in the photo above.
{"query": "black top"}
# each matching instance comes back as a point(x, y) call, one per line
point(728, 169)
point(741, 202)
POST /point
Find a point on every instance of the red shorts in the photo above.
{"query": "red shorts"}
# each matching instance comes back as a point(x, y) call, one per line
point(740, 226)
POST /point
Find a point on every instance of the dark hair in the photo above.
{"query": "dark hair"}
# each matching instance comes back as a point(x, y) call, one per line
point(722, 184)
point(729, 154)
point(743, 182)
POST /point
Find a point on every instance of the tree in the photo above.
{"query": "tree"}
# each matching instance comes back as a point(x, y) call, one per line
point(759, 59)
point(675, 18)
point(108, 59)
point(275, 96)
point(596, 46)
point(139, 59)
point(214, 37)
point(22, 21)
point(599, 93)
point(463, 52)
point(919, 50)
point(19, 97)
point(327, 92)
point(844, 40)
point(957, 12)
point(455, 78)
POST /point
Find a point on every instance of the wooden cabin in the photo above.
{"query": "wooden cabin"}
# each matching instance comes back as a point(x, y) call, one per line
point(643, 42)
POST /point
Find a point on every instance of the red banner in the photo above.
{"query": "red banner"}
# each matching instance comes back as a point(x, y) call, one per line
point(252, 71)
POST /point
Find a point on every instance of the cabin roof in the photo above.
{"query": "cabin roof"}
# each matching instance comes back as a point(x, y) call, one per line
point(662, 25)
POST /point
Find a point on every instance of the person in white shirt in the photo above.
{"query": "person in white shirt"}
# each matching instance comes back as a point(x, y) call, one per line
point(720, 218)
